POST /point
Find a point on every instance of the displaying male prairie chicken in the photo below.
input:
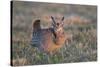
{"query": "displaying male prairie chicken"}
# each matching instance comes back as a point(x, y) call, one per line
point(49, 39)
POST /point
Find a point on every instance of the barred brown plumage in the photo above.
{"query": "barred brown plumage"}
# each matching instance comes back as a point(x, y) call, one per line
point(49, 39)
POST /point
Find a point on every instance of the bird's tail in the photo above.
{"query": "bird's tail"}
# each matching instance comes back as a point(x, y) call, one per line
point(36, 25)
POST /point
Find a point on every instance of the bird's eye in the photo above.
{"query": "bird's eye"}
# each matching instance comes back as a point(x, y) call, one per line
point(57, 24)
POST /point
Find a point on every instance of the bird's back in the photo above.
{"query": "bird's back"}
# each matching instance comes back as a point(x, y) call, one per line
point(42, 38)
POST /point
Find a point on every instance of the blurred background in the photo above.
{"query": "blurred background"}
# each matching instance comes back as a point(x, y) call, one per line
point(80, 25)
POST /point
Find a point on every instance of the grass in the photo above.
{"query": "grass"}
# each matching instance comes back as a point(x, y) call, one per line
point(83, 45)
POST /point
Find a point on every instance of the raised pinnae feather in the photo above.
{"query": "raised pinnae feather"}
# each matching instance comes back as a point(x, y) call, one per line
point(36, 25)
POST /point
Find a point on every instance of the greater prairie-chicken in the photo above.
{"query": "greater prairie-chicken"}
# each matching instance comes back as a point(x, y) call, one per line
point(49, 39)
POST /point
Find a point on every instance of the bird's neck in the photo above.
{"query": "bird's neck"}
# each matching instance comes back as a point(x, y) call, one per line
point(60, 37)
